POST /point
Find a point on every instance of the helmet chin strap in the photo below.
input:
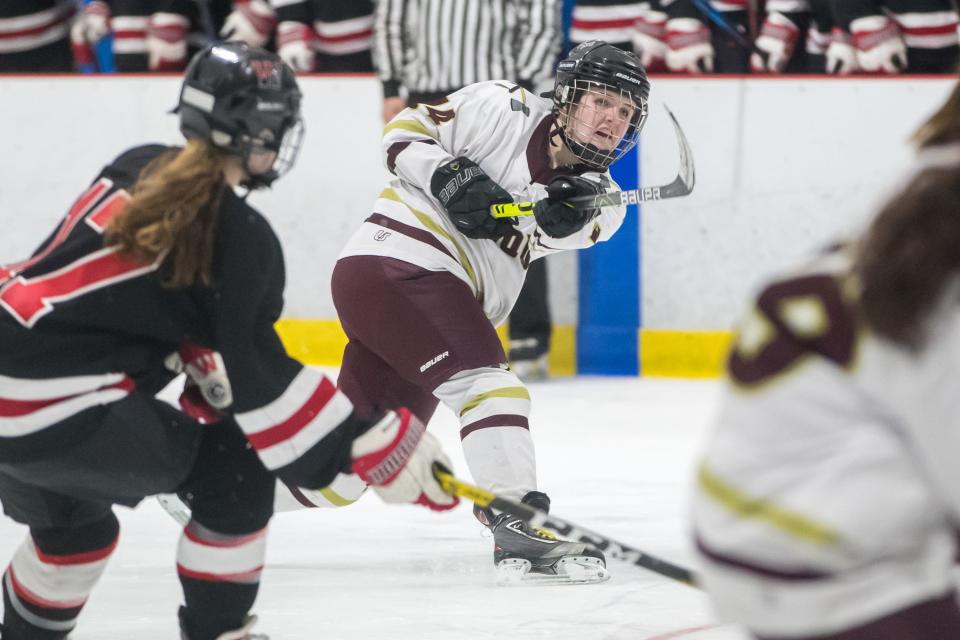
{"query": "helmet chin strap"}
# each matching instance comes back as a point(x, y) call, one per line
point(259, 181)
point(582, 151)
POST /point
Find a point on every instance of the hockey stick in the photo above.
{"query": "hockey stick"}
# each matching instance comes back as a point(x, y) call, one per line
point(737, 32)
point(682, 185)
point(209, 35)
point(536, 518)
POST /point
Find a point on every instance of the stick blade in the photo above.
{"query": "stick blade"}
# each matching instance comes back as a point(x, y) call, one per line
point(687, 175)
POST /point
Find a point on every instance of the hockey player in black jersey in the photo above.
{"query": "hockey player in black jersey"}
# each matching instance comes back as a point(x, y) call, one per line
point(160, 256)
point(897, 36)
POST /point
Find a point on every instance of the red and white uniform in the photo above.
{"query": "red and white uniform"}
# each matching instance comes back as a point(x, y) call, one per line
point(111, 324)
point(29, 24)
point(918, 36)
point(340, 34)
point(34, 35)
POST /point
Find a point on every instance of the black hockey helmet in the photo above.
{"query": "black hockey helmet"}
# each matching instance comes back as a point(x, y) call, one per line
point(246, 101)
point(600, 73)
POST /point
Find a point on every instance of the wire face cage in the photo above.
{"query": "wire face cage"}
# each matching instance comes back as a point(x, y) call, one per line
point(600, 122)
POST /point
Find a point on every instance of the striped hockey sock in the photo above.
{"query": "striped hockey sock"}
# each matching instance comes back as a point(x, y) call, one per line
point(220, 574)
point(51, 576)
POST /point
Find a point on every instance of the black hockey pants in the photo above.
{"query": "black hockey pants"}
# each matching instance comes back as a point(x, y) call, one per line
point(141, 447)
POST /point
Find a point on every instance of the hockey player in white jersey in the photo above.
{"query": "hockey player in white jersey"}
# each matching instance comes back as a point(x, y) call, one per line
point(422, 284)
point(828, 497)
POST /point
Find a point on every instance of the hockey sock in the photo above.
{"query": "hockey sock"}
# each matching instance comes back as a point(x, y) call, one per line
point(220, 575)
point(51, 576)
point(494, 405)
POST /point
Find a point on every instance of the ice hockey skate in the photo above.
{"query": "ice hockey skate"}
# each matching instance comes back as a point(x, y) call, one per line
point(532, 370)
point(526, 555)
point(176, 507)
point(528, 359)
point(243, 633)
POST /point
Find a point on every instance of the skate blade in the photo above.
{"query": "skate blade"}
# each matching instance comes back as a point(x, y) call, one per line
point(175, 507)
point(569, 570)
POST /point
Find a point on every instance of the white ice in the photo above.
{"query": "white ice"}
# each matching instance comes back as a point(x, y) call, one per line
point(615, 455)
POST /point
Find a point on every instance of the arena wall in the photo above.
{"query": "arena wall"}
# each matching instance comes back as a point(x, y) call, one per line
point(783, 165)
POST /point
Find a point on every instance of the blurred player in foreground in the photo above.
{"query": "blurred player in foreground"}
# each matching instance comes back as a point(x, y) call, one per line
point(828, 498)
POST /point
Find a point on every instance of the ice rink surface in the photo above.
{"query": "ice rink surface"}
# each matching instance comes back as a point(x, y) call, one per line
point(615, 454)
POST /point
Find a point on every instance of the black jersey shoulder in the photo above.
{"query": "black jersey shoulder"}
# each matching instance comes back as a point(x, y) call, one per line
point(125, 168)
point(245, 236)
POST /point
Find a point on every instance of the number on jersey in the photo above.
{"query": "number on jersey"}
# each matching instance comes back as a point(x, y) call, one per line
point(794, 319)
point(29, 299)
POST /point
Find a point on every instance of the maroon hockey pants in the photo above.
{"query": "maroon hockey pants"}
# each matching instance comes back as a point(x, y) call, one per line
point(410, 330)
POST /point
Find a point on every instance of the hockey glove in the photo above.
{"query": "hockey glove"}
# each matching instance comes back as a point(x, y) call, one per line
point(295, 45)
point(841, 56)
point(558, 218)
point(251, 21)
point(777, 39)
point(689, 47)
point(467, 193)
point(395, 457)
point(207, 391)
point(649, 40)
point(205, 367)
point(195, 405)
point(880, 47)
point(167, 41)
point(91, 25)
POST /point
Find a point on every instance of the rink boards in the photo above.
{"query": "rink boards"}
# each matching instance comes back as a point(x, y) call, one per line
point(783, 166)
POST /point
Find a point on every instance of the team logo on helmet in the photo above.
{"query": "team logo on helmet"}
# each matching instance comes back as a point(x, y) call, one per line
point(267, 72)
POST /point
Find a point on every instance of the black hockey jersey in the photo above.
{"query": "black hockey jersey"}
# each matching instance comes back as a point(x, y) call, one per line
point(925, 24)
point(344, 31)
point(29, 24)
point(612, 21)
point(81, 326)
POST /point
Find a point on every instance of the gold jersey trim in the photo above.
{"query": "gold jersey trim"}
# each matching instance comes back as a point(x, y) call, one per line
point(793, 524)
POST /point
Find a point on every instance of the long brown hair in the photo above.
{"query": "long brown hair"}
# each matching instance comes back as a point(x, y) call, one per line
point(908, 255)
point(943, 127)
point(173, 214)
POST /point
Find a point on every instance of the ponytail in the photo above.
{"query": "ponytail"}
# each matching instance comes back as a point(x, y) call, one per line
point(943, 127)
point(909, 254)
point(173, 214)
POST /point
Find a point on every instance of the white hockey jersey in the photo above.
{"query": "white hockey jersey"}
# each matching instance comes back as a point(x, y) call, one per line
point(504, 129)
point(832, 472)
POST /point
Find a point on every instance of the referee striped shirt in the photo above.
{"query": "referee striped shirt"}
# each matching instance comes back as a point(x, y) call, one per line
point(434, 46)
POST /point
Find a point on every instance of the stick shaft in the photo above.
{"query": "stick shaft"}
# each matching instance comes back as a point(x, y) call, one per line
point(682, 185)
point(614, 198)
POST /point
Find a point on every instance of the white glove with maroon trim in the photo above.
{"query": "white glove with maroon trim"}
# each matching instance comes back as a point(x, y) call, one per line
point(650, 40)
point(90, 26)
point(395, 457)
point(880, 47)
point(295, 45)
point(689, 45)
point(777, 39)
point(167, 41)
point(841, 56)
point(251, 21)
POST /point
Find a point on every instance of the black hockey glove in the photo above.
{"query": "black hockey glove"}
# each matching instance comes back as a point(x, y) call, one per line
point(559, 219)
point(467, 193)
